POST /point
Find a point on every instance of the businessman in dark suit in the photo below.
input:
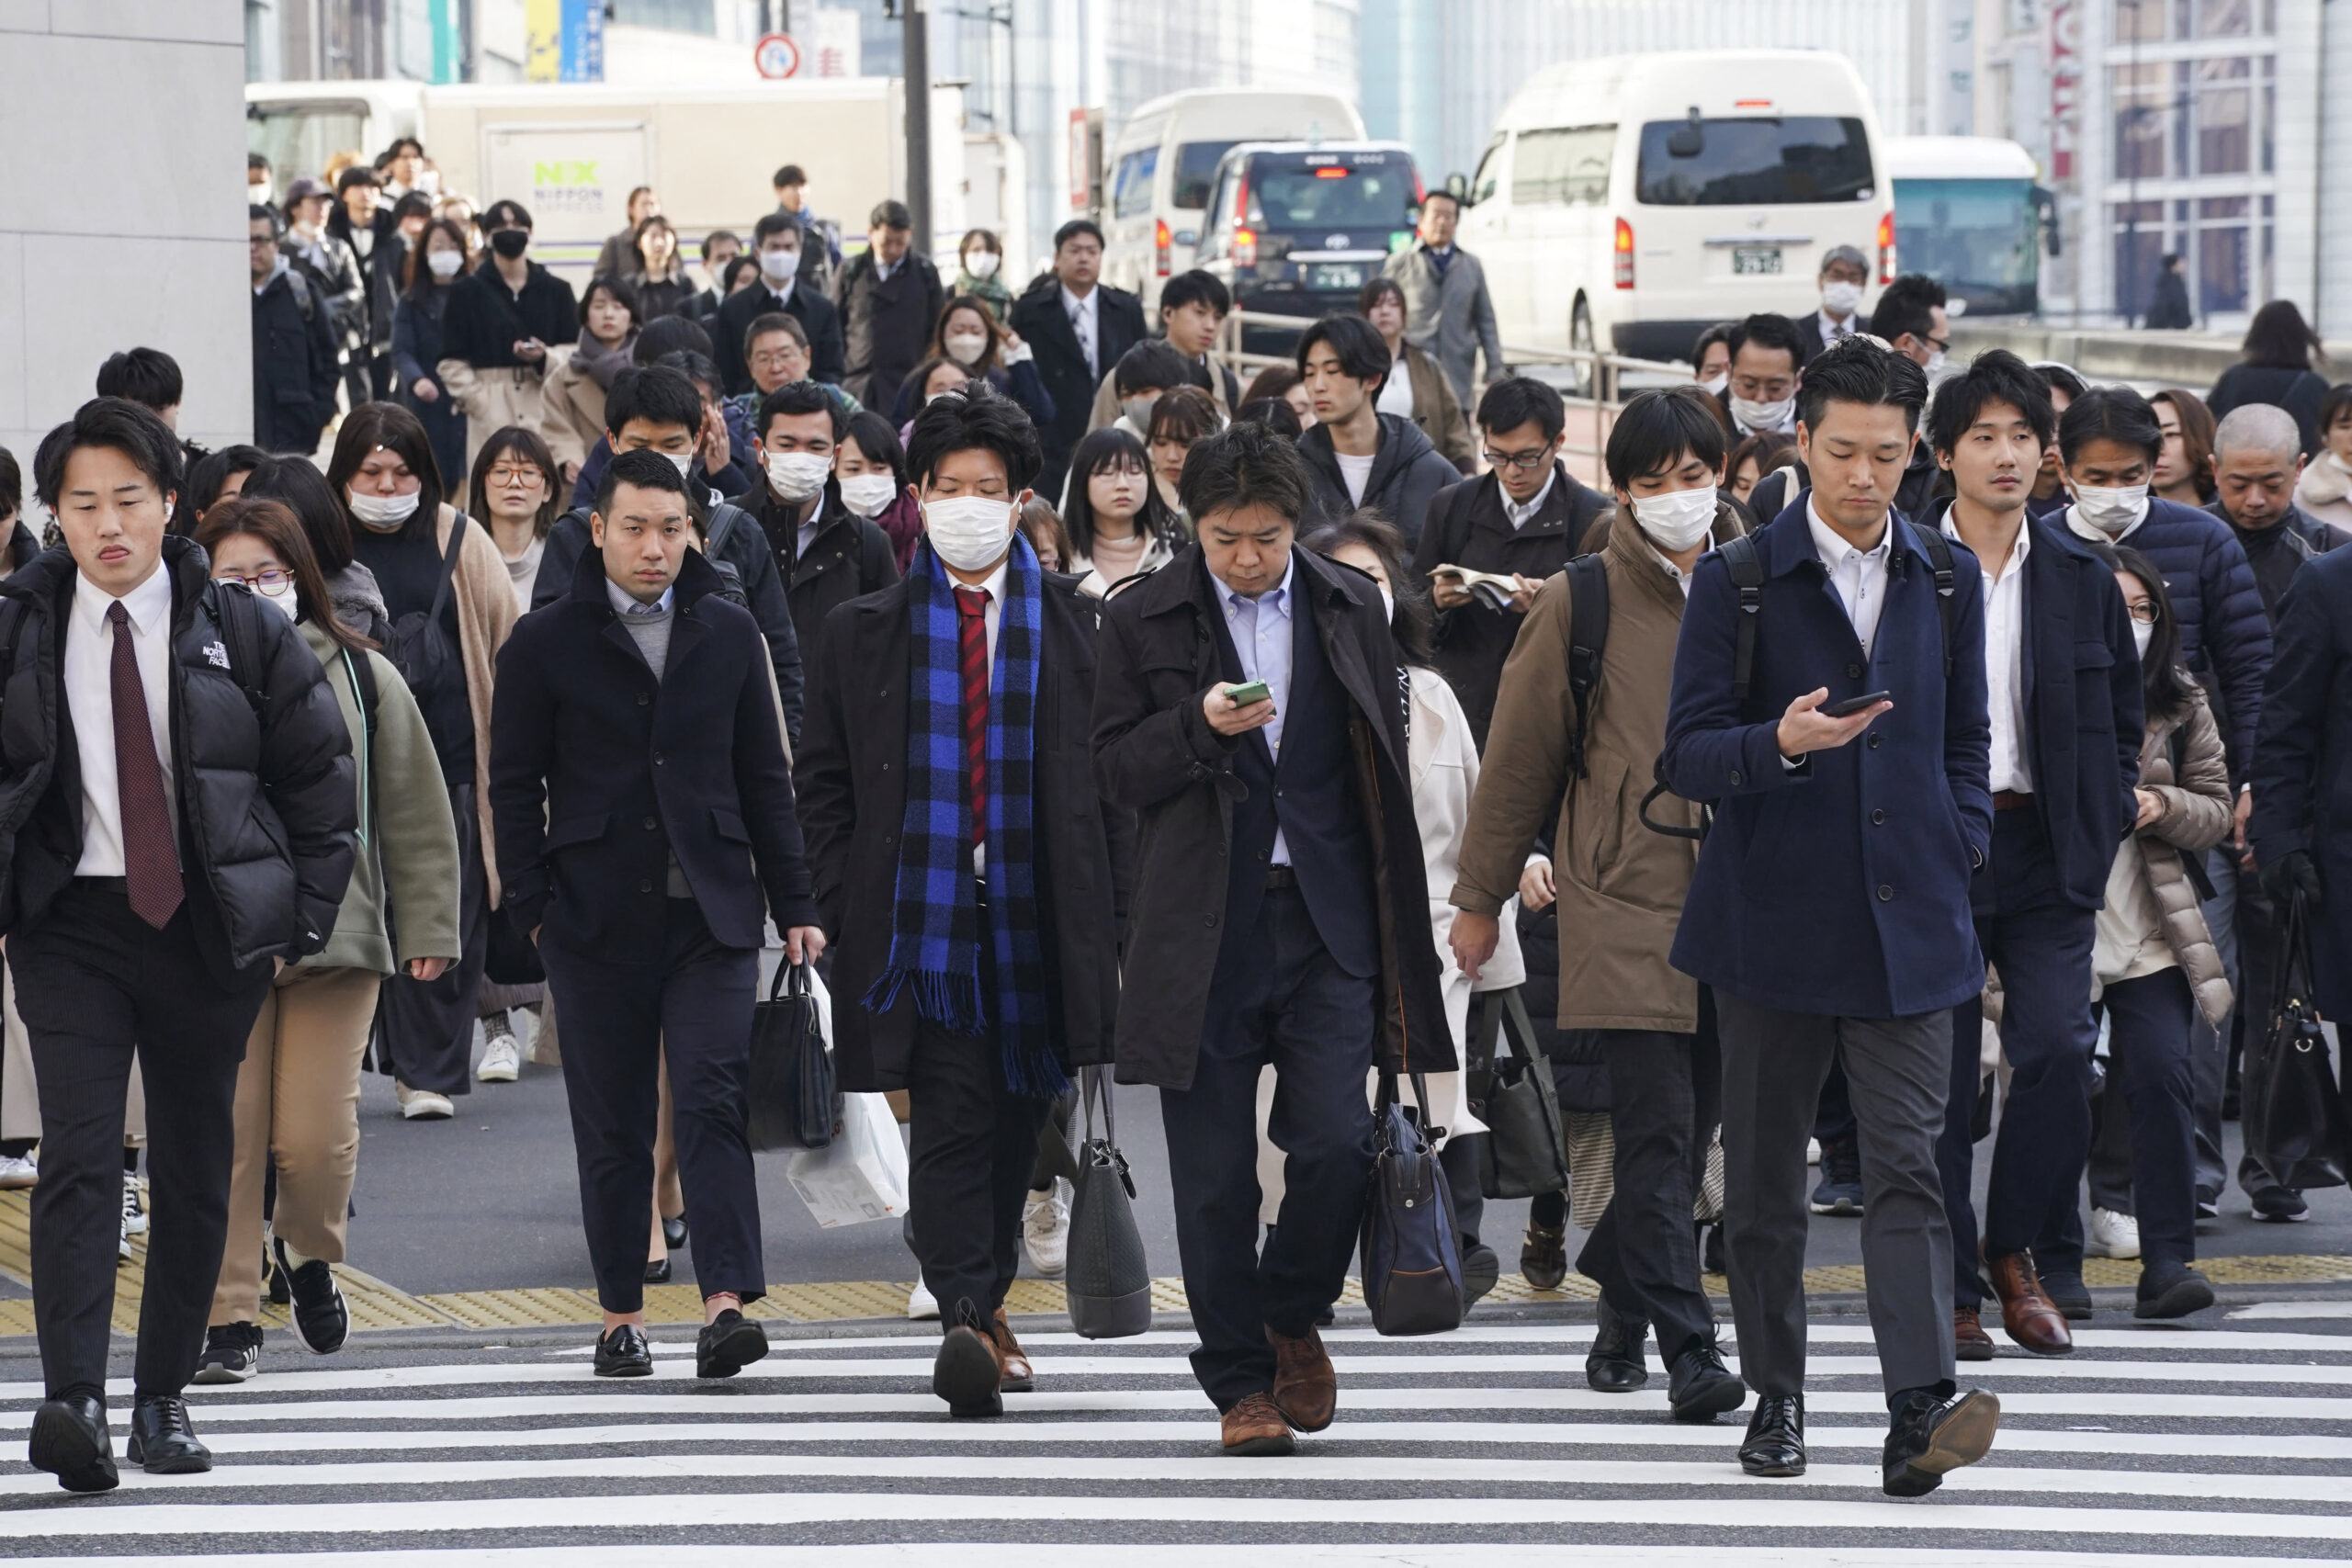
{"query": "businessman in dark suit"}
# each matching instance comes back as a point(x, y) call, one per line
point(776, 241)
point(1078, 326)
point(646, 831)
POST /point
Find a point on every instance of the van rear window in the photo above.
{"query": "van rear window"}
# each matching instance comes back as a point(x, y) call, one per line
point(1763, 163)
point(1195, 165)
point(1322, 192)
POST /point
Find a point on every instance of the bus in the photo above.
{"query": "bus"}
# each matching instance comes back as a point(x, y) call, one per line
point(1969, 213)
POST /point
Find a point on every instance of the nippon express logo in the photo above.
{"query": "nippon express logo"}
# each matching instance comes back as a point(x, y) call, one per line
point(567, 184)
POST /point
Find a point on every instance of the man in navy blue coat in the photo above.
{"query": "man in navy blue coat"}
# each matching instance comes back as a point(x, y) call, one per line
point(2301, 823)
point(2062, 679)
point(1831, 907)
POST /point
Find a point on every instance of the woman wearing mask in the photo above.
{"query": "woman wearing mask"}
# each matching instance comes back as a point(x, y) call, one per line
point(969, 335)
point(2153, 956)
point(982, 257)
point(571, 419)
point(351, 588)
point(1117, 525)
point(451, 603)
point(871, 467)
point(658, 277)
point(2184, 467)
point(427, 276)
point(298, 1092)
point(2325, 489)
point(1415, 388)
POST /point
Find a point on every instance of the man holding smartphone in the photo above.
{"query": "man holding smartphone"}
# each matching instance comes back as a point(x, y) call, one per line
point(1830, 912)
point(1258, 933)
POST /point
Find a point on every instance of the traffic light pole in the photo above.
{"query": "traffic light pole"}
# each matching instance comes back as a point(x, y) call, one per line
point(915, 68)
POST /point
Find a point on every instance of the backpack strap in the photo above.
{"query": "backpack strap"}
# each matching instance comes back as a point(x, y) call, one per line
point(1937, 549)
point(1747, 569)
point(723, 518)
point(1587, 635)
point(235, 612)
point(363, 683)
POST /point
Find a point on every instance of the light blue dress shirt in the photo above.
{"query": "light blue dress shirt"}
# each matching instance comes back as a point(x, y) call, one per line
point(1262, 632)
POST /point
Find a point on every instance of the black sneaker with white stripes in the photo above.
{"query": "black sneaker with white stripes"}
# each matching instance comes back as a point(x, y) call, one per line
point(321, 1315)
point(231, 1353)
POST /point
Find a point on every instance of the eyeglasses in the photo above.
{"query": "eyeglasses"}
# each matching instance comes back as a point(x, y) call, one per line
point(272, 583)
point(1527, 462)
point(2145, 611)
point(775, 358)
point(528, 475)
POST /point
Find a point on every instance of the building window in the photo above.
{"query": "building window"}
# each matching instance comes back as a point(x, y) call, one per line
point(675, 15)
point(2139, 244)
point(2224, 110)
point(2225, 253)
point(2142, 95)
point(2225, 18)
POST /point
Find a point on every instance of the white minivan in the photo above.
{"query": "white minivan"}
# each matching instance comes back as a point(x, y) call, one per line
point(1632, 201)
point(1156, 175)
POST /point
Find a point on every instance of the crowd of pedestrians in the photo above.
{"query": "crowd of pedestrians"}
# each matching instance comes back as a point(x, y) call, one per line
point(1883, 738)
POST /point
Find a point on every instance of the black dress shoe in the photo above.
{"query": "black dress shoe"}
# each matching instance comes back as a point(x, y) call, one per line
point(728, 1344)
point(657, 1273)
point(2069, 1295)
point(162, 1440)
point(1702, 1387)
point(968, 1372)
point(673, 1234)
point(1775, 1441)
point(2171, 1289)
point(623, 1353)
point(71, 1441)
point(1480, 1268)
point(1932, 1436)
point(1615, 1364)
point(321, 1317)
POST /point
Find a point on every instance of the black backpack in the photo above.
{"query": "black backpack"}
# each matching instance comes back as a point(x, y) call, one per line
point(1747, 575)
point(418, 647)
point(1587, 635)
point(724, 516)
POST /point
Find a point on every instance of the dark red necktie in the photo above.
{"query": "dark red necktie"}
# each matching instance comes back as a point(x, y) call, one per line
point(151, 861)
point(972, 645)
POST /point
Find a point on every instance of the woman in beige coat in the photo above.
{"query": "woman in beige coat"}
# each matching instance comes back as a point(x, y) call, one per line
point(572, 417)
point(2153, 957)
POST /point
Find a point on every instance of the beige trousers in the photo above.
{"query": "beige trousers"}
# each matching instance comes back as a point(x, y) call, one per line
point(297, 1101)
point(20, 1096)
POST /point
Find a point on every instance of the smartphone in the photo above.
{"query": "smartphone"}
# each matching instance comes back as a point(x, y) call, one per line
point(1854, 705)
point(1255, 691)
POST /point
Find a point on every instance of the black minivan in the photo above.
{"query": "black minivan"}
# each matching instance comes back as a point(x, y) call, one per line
point(1297, 227)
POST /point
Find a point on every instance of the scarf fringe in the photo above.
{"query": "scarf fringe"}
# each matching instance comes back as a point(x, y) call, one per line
point(951, 1002)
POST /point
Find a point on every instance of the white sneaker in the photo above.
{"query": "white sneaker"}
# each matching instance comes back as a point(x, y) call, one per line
point(1045, 1230)
point(1813, 1151)
point(921, 1307)
point(423, 1104)
point(542, 1051)
point(19, 1172)
point(2113, 1235)
point(134, 1206)
point(501, 1061)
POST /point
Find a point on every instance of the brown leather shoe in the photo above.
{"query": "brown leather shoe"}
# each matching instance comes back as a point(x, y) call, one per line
point(1968, 1340)
point(1017, 1379)
point(1544, 1256)
point(1307, 1391)
point(2029, 1315)
point(1254, 1427)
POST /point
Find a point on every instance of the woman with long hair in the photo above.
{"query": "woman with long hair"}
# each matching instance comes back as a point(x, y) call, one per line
point(658, 276)
point(1117, 523)
point(516, 494)
point(571, 419)
point(970, 332)
point(298, 1090)
point(2276, 367)
point(868, 457)
point(1765, 452)
point(1283, 381)
point(1416, 388)
point(351, 588)
point(438, 259)
point(450, 604)
point(1178, 418)
point(2184, 470)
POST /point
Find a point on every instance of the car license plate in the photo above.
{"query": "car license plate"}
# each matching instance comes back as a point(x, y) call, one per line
point(1335, 277)
point(1750, 260)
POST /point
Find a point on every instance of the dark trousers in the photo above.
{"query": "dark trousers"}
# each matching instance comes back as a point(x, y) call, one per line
point(2042, 946)
point(692, 1004)
point(971, 1144)
point(424, 1029)
point(1896, 1070)
point(1278, 996)
point(2150, 1087)
point(95, 984)
point(1665, 1097)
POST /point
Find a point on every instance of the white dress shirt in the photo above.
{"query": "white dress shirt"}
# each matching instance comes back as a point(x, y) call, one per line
point(994, 589)
point(1260, 629)
point(2005, 662)
point(89, 698)
point(1860, 576)
point(1083, 313)
point(807, 534)
point(1680, 578)
point(1521, 513)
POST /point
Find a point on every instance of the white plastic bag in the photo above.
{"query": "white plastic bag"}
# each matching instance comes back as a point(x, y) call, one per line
point(862, 1175)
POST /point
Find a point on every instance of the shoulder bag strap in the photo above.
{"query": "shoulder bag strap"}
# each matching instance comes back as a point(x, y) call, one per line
point(1746, 575)
point(1587, 635)
point(448, 567)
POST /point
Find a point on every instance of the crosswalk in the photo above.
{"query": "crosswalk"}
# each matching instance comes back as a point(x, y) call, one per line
point(2157, 1447)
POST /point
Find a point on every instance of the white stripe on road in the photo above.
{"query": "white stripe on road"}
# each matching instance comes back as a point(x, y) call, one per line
point(2313, 1310)
point(996, 1555)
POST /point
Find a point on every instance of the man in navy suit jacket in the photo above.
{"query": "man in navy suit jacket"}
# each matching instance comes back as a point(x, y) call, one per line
point(2061, 677)
point(2301, 825)
point(1830, 911)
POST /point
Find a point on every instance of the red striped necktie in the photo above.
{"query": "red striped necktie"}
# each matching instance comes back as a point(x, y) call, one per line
point(972, 645)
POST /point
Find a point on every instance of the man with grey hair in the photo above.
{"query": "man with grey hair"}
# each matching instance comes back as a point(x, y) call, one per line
point(1845, 273)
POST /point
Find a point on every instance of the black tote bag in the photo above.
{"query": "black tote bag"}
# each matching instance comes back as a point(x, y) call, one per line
point(1107, 1280)
point(2299, 1132)
point(1525, 1152)
point(793, 1102)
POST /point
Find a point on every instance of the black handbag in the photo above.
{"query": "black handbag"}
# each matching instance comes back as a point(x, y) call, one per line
point(1107, 1280)
point(2299, 1133)
point(794, 1104)
point(1412, 1259)
point(1525, 1152)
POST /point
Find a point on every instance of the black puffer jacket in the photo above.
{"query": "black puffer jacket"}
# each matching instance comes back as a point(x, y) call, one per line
point(266, 801)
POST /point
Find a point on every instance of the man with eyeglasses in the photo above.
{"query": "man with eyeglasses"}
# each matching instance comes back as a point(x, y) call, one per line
point(1526, 518)
point(1910, 320)
point(1766, 355)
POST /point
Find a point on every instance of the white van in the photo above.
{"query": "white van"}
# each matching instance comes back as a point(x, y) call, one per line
point(1156, 179)
point(1632, 201)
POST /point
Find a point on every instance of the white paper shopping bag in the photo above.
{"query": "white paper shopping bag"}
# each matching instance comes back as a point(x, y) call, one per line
point(862, 1175)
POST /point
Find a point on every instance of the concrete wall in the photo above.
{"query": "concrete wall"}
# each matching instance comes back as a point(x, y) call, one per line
point(122, 207)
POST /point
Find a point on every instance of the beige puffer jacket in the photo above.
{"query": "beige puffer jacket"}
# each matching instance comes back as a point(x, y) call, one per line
point(2195, 818)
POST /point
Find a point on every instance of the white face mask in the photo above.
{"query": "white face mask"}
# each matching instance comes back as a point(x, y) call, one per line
point(1715, 384)
point(258, 193)
point(1676, 520)
point(445, 264)
point(2112, 509)
point(966, 348)
point(282, 598)
point(1841, 300)
point(2143, 634)
point(386, 514)
point(1935, 365)
point(1753, 415)
point(869, 495)
point(777, 267)
point(1138, 409)
point(969, 532)
point(684, 462)
point(797, 476)
point(980, 264)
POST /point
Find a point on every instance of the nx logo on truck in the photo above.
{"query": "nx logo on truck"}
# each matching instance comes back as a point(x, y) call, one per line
point(568, 185)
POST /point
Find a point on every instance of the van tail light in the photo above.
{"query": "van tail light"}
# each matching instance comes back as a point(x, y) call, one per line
point(1161, 243)
point(1886, 248)
point(1245, 247)
point(1624, 255)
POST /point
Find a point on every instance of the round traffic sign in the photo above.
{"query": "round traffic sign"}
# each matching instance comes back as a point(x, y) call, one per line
point(776, 56)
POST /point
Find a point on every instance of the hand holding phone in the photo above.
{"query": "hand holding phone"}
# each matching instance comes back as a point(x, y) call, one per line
point(1241, 696)
point(1855, 705)
point(1235, 710)
point(1808, 725)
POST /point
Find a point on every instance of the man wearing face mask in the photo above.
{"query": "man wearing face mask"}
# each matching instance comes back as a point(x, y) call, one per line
point(826, 554)
point(2062, 680)
point(1144, 375)
point(1845, 272)
point(1910, 317)
point(1554, 769)
point(495, 332)
point(1766, 355)
point(946, 769)
point(777, 240)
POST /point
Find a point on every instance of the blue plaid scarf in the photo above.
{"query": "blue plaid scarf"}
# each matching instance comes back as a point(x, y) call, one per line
point(935, 940)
